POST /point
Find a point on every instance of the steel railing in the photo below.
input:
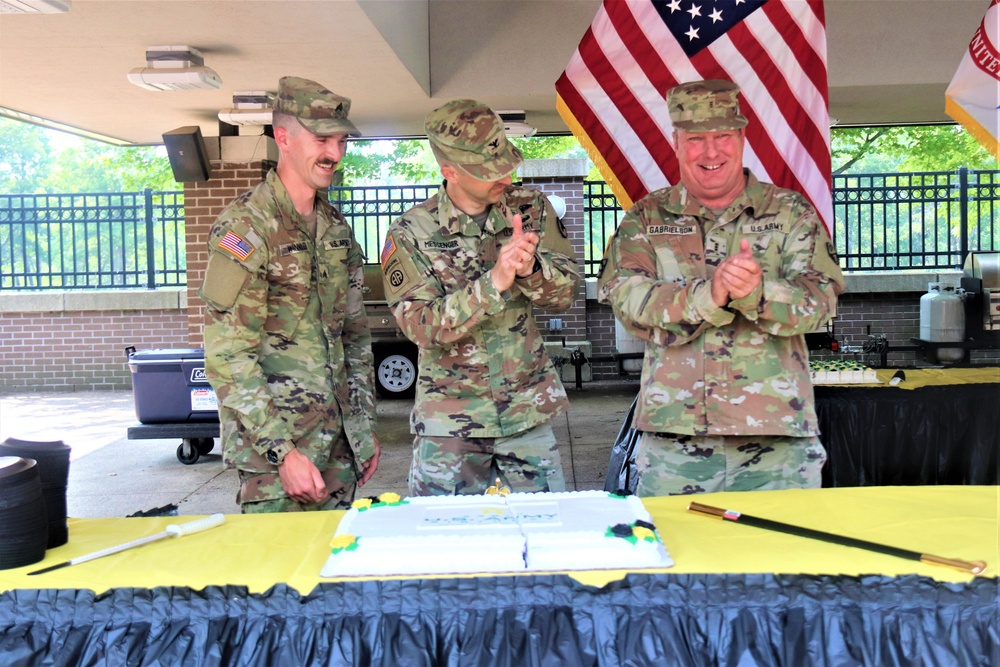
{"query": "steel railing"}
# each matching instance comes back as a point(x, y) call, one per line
point(882, 222)
point(94, 240)
point(929, 220)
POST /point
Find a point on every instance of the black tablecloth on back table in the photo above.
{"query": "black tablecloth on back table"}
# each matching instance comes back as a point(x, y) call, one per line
point(886, 436)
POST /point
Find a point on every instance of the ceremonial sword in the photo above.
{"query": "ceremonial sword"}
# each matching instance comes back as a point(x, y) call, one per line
point(971, 567)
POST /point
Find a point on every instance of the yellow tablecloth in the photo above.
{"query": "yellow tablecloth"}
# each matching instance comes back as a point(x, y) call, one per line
point(259, 551)
point(925, 377)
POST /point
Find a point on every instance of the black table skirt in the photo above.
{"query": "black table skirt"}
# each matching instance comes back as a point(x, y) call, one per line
point(536, 620)
point(886, 436)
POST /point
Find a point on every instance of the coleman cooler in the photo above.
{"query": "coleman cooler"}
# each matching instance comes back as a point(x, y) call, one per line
point(169, 386)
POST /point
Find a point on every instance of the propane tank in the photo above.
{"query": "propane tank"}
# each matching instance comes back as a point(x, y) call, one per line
point(626, 342)
point(942, 320)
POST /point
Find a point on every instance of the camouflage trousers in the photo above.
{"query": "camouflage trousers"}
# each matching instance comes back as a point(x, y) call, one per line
point(262, 492)
point(445, 466)
point(670, 464)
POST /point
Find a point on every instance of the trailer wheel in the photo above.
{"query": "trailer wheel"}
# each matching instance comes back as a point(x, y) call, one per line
point(187, 452)
point(204, 445)
point(396, 371)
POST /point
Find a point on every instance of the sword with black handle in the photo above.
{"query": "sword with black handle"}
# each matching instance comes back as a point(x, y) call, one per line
point(975, 567)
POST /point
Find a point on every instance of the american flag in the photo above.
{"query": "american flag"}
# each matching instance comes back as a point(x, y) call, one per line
point(387, 250)
point(612, 93)
point(235, 244)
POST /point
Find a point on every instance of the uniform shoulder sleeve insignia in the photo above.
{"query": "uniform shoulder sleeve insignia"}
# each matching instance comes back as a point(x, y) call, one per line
point(236, 245)
point(387, 250)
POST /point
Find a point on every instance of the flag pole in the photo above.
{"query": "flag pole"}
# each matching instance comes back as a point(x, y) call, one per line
point(971, 567)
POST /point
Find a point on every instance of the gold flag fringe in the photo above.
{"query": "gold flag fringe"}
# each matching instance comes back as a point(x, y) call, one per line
point(595, 156)
point(982, 135)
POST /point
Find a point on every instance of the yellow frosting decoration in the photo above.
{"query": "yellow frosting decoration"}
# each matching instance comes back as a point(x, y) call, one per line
point(342, 541)
point(643, 533)
point(389, 498)
point(362, 503)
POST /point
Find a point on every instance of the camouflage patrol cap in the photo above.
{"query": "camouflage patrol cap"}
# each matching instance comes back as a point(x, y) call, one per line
point(470, 135)
point(705, 106)
point(320, 111)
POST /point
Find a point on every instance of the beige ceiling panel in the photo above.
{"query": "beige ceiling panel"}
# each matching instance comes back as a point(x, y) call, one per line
point(889, 60)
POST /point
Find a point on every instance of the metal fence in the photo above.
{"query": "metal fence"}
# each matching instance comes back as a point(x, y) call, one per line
point(882, 222)
point(370, 210)
point(601, 214)
point(928, 220)
point(96, 240)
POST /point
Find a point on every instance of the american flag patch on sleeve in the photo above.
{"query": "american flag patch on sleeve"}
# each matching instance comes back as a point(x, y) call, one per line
point(237, 245)
point(387, 250)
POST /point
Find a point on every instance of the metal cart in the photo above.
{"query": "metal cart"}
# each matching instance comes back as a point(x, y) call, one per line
point(197, 438)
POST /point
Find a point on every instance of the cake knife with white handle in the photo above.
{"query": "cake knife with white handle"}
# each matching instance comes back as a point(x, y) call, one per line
point(173, 530)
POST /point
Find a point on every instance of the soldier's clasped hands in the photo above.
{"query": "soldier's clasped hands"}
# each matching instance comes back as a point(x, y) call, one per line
point(516, 258)
point(737, 276)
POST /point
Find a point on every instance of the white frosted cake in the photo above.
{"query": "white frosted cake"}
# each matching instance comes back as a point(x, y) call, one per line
point(576, 530)
point(841, 372)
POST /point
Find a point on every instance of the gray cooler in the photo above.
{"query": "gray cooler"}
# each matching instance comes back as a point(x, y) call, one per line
point(169, 386)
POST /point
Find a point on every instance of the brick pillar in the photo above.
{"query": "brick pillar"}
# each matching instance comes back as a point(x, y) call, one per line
point(238, 164)
point(565, 179)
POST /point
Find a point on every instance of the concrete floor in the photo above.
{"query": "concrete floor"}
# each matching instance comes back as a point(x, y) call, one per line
point(112, 476)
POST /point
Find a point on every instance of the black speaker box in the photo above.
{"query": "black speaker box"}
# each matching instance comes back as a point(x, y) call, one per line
point(188, 156)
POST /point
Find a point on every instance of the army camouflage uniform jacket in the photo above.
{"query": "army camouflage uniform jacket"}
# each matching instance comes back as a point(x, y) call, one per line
point(287, 347)
point(484, 372)
point(738, 370)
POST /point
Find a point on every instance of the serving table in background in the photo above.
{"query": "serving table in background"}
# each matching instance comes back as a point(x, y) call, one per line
point(249, 593)
point(938, 426)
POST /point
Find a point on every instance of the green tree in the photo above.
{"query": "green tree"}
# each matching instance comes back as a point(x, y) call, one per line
point(906, 148)
point(92, 166)
point(25, 155)
point(30, 163)
point(406, 161)
point(549, 147)
point(411, 161)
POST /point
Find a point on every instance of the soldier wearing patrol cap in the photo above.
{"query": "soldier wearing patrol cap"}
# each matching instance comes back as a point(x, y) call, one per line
point(722, 275)
point(463, 272)
point(287, 347)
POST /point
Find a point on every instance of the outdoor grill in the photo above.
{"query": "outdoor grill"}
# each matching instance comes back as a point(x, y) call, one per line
point(981, 282)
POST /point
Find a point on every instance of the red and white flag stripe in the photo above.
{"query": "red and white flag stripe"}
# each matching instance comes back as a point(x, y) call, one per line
point(612, 92)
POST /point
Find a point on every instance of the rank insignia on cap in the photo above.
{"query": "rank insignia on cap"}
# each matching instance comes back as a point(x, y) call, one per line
point(390, 247)
point(237, 245)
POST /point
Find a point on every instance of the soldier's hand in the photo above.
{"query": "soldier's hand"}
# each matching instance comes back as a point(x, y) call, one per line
point(529, 243)
point(519, 233)
point(368, 467)
point(301, 479)
point(737, 276)
point(517, 257)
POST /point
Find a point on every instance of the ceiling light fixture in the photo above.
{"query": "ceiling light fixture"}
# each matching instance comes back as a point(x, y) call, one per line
point(34, 6)
point(250, 107)
point(174, 68)
point(514, 123)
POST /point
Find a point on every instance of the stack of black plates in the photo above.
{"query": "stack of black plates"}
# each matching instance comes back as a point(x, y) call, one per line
point(53, 470)
point(24, 526)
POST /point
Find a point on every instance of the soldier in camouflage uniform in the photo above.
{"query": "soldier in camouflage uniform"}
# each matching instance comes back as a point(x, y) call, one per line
point(287, 347)
point(722, 275)
point(462, 272)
